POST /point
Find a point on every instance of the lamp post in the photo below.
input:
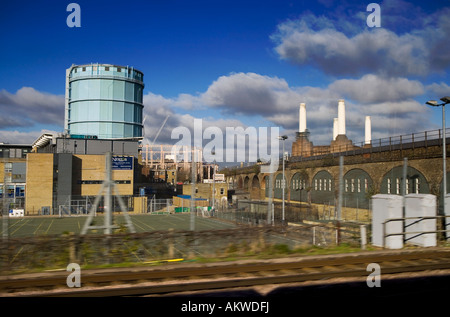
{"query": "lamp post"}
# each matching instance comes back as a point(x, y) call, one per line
point(434, 103)
point(283, 183)
point(214, 184)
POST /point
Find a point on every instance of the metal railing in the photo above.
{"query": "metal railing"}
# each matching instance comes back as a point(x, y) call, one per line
point(415, 233)
point(411, 141)
point(401, 142)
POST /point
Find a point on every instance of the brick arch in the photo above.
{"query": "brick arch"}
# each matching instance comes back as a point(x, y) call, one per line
point(392, 182)
point(323, 188)
point(278, 190)
point(298, 185)
point(255, 188)
point(358, 185)
point(266, 180)
point(246, 183)
point(240, 182)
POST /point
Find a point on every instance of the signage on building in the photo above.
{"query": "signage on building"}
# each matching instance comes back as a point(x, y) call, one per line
point(122, 163)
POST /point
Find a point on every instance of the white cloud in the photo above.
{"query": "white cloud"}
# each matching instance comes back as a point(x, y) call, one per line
point(21, 137)
point(323, 43)
point(28, 107)
point(378, 51)
point(389, 100)
point(246, 93)
point(375, 89)
point(436, 91)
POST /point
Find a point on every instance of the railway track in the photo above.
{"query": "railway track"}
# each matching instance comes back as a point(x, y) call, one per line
point(183, 277)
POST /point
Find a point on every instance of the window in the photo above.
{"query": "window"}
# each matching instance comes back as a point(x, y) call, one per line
point(222, 191)
point(119, 69)
point(388, 185)
point(315, 184)
point(346, 185)
point(107, 68)
point(407, 186)
point(320, 184)
point(398, 186)
point(8, 167)
point(353, 185)
point(359, 185)
point(417, 186)
point(366, 184)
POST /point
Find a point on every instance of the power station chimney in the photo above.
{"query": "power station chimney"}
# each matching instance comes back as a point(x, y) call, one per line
point(341, 117)
point(335, 128)
point(302, 118)
point(368, 138)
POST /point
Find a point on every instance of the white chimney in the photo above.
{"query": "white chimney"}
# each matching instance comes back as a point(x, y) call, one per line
point(368, 130)
point(341, 117)
point(335, 128)
point(302, 118)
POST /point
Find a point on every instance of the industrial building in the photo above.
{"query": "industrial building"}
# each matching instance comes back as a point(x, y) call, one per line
point(13, 172)
point(63, 172)
point(104, 101)
point(303, 147)
point(103, 114)
point(375, 166)
point(161, 164)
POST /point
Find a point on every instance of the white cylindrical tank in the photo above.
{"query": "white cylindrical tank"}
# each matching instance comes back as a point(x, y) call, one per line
point(302, 118)
point(368, 138)
point(341, 117)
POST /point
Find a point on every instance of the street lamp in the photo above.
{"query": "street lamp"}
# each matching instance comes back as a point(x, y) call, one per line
point(283, 183)
point(434, 103)
point(214, 184)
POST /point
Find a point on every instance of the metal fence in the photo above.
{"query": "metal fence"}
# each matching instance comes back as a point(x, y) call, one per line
point(59, 251)
point(158, 205)
point(251, 212)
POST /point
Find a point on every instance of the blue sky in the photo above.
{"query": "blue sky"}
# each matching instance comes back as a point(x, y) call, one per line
point(233, 63)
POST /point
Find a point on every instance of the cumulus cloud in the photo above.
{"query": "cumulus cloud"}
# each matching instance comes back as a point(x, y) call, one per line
point(246, 93)
point(277, 102)
point(28, 107)
point(271, 99)
point(436, 90)
point(375, 89)
point(378, 51)
point(157, 109)
point(316, 41)
point(22, 137)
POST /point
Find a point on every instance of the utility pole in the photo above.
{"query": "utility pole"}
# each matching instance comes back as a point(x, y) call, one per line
point(341, 194)
point(5, 213)
point(193, 181)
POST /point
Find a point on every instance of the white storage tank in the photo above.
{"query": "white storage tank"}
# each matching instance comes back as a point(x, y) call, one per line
point(447, 219)
point(420, 205)
point(386, 207)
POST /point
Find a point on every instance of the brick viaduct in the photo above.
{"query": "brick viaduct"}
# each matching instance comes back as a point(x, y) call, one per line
point(367, 171)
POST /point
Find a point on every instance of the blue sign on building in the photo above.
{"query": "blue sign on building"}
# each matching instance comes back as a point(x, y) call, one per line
point(122, 163)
